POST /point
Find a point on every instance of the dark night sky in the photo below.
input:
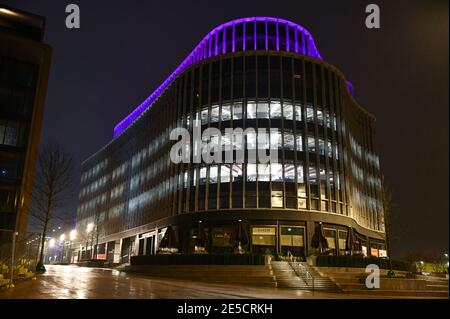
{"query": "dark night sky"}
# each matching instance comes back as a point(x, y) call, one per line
point(124, 50)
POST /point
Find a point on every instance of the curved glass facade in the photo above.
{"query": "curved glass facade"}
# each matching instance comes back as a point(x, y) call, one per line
point(327, 170)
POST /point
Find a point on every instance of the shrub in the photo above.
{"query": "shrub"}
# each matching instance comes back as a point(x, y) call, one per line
point(360, 262)
point(199, 259)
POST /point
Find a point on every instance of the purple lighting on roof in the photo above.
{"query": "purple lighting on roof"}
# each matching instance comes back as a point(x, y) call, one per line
point(209, 47)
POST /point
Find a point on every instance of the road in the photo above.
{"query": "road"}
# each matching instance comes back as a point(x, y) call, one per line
point(73, 282)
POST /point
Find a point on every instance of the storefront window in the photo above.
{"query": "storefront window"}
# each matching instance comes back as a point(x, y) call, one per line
point(292, 239)
point(342, 242)
point(330, 236)
point(263, 239)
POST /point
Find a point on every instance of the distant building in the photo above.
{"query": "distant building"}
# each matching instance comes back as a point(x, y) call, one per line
point(24, 70)
point(324, 192)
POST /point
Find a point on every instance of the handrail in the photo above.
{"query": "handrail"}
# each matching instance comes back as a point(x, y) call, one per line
point(300, 270)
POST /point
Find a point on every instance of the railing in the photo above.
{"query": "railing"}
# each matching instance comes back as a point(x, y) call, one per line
point(300, 270)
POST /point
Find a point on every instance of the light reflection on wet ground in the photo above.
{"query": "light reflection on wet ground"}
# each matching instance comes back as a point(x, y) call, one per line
point(83, 282)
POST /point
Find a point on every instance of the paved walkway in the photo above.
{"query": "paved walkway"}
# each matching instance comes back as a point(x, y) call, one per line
point(82, 282)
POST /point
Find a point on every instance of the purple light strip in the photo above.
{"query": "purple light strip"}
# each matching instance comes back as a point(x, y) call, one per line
point(196, 56)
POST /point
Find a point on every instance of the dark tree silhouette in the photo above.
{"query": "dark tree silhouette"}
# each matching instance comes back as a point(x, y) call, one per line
point(53, 185)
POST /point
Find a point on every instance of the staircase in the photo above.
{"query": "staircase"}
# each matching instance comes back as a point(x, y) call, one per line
point(305, 278)
point(286, 277)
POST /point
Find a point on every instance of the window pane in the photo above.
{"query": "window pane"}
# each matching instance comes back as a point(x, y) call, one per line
point(263, 110)
point(298, 113)
point(263, 172)
point(204, 116)
point(237, 172)
point(289, 172)
point(275, 110)
point(276, 172)
point(312, 175)
point(289, 141)
point(251, 172)
point(309, 114)
point(251, 110)
point(300, 174)
point(311, 144)
point(299, 143)
point(224, 173)
point(277, 199)
point(237, 111)
point(226, 112)
point(251, 140)
point(215, 114)
point(288, 111)
point(275, 140)
point(213, 174)
point(321, 147)
point(202, 180)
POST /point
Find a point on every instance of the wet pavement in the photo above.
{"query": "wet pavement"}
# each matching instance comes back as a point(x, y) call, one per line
point(73, 282)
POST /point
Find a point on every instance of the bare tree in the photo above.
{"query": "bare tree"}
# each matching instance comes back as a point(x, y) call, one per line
point(52, 187)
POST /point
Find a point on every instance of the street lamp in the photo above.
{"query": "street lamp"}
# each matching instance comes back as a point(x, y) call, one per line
point(72, 235)
point(51, 243)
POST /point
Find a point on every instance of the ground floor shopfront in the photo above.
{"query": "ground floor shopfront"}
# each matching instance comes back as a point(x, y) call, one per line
point(264, 232)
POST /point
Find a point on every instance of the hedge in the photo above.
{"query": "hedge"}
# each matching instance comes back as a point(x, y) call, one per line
point(198, 259)
point(360, 262)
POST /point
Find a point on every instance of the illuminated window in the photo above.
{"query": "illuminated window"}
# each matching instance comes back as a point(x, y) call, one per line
point(202, 180)
point(298, 113)
point(309, 114)
point(263, 172)
point(237, 172)
point(311, 144)
point(251, 110)
point(299, 143)
point(319, 117)
point(226, 112)
point(251, 140)
point(312, 175)
point(289, 172)
point(213, 174)
point(275, 110)
point(204, 116)
point(277, 199)
point(321, 146)
point(288, 111)
point(215, 114)
point(275, 140)
point(263, 110)
point(330, 149)
point(251, 172)
point(276, 172)
point(288, 141)
point(224, 173)
point(300, 174)
point(237, 111)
